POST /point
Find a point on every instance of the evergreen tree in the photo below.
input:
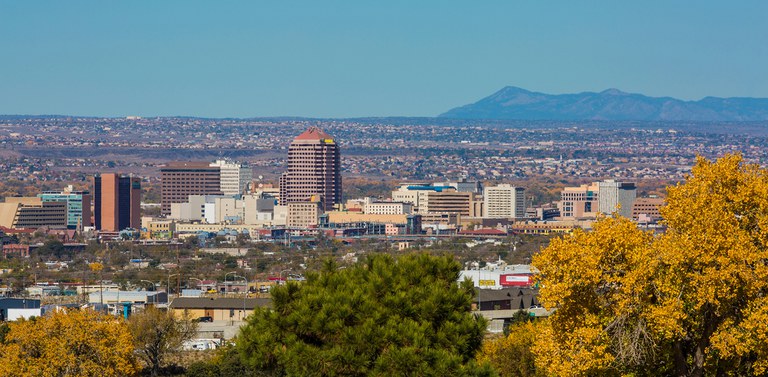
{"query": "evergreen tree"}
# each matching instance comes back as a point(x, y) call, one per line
point(386, 316)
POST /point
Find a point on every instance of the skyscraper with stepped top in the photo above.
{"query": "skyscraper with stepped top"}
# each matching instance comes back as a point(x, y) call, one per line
point(314, 170)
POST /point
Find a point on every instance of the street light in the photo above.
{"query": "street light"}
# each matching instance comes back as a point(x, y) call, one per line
point(227, 289)
point(199, 281)
point(154, 285)
point(245, 294)
point(168, 287)
point(281, 275)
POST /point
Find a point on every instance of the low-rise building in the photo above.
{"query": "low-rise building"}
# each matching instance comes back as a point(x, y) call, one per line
point(32, 213)
point(388, 208)
point(12, 309)
point(304, 214)
point(16, 250)
point(112, 297)
point(218, 309)
point(646, 210)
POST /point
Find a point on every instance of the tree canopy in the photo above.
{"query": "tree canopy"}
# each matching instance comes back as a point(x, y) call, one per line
point(405, 316)
point(689, 302)
point(74, 343)
point(158, 334)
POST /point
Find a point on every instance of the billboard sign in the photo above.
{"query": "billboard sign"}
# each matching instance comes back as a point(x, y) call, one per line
point(516, 280)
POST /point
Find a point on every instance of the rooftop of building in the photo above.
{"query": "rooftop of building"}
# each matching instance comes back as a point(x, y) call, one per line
point(219, 303)
point(189, 165)
point(313, 133)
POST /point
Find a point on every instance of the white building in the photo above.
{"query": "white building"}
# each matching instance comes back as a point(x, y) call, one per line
point(617, 197)
point(504, 202)
point(388, 208)
point(235, 177)
point(418, 195)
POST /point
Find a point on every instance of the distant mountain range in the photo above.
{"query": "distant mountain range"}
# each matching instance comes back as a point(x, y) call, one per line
point(612, 104)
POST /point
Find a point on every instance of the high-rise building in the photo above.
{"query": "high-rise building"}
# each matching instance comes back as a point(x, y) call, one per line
point(234, 177)
point(116, 202)
point(504, 202)
point(617, 197)
point(78, 205)
point(179, 180)
point(314, 168)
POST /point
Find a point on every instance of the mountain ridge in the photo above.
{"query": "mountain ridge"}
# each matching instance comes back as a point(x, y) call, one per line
point(515, 103)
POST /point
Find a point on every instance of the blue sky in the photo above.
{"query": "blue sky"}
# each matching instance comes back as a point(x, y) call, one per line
point(365, 58)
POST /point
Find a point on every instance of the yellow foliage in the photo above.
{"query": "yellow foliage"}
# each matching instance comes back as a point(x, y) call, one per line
point(512, 355)
point(73, 343)
point(692, 299)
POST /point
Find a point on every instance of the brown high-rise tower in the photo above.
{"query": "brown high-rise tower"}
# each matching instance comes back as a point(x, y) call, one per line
point(314, 169)
point(117, 202)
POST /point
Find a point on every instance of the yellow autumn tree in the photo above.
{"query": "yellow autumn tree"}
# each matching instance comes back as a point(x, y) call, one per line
point(690, 302)
point(68, 343)
point(512, 355)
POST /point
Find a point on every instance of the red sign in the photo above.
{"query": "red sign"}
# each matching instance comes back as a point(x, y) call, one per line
point(516, 280)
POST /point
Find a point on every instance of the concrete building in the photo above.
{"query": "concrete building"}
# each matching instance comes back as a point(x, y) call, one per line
point(225, 209)
point(134, 297)
point(356, 217)
point(646, 210)
point(32, 213)
point(117, 202)
point(78, 205)
point(504, 202)
point(191, 210)
point(388, 208)
point(179, 180)
point(235, 177)
point(579, 202)
point(418, 195)
point(314, 169)
point(463, 185)
point(304, 214)
point(449, 201)
point(415, 195)
point(259, 208)
point(617, 197)
point(218, 309)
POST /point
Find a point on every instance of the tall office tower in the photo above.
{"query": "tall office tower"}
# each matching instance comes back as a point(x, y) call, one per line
point(504, 202)
point(235, 177)
point(617, 196)
point(314, 168)
point(180, 179)
point(117, 202)
point(78, 205)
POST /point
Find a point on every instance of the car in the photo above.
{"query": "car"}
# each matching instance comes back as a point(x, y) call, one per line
point(205, 319)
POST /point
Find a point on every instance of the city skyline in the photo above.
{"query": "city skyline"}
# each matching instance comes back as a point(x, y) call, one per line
point(342, 60)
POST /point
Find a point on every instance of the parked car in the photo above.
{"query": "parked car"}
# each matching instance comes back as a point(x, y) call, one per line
point(205, 319)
